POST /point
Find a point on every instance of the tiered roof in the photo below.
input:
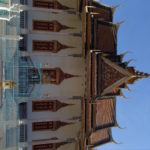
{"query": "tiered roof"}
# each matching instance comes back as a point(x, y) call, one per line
point(106, 73)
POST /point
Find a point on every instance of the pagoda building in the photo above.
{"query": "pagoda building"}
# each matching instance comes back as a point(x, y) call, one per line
point(60, 74)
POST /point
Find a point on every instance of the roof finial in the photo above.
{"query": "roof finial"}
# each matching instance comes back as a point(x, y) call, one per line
point(126, 87)
point(127, 62)
point(136, 75)
point(115, 7)
point(141, 74)
point(122, 95)
point(118, 126)
point(113, 141)
point(118, 24)
point(125, 53)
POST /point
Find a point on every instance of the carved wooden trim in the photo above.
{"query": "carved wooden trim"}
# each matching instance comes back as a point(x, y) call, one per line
point(110, 75)
point(48, 46)
point(103, 13)
point(54, 75)
point(48, 125)
point(49, 4)
point(47, 105)
point(123, 72)
point(48, 146)
point(53, 26)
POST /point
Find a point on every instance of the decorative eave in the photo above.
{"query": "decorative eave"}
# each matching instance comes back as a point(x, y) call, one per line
point(59, 105)
point(114, 58)
point(112, 49)
point(99, 4)
point(88, 37)
point(105, 7)
point(95, 55)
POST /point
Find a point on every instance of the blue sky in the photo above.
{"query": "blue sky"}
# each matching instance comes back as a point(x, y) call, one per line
point(133, 112)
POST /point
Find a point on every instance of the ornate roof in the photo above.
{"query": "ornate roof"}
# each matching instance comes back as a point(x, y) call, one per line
point(105, 113)
point(106, 73)
point(100, 137)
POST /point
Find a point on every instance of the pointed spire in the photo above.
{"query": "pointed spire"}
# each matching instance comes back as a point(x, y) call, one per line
point(58, 124)
point(142, 74)
point(63, 76)
point(59, 105)
point(60, 27)
point(67, 75)
point(136, 75)
point(59, 46)
point(64, 27)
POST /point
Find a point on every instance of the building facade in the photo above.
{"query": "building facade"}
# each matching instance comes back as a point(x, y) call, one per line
point(60, 74)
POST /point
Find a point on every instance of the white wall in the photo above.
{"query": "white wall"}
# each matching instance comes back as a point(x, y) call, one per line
point(64, 114)
point(72, 65)
point(69, 87)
